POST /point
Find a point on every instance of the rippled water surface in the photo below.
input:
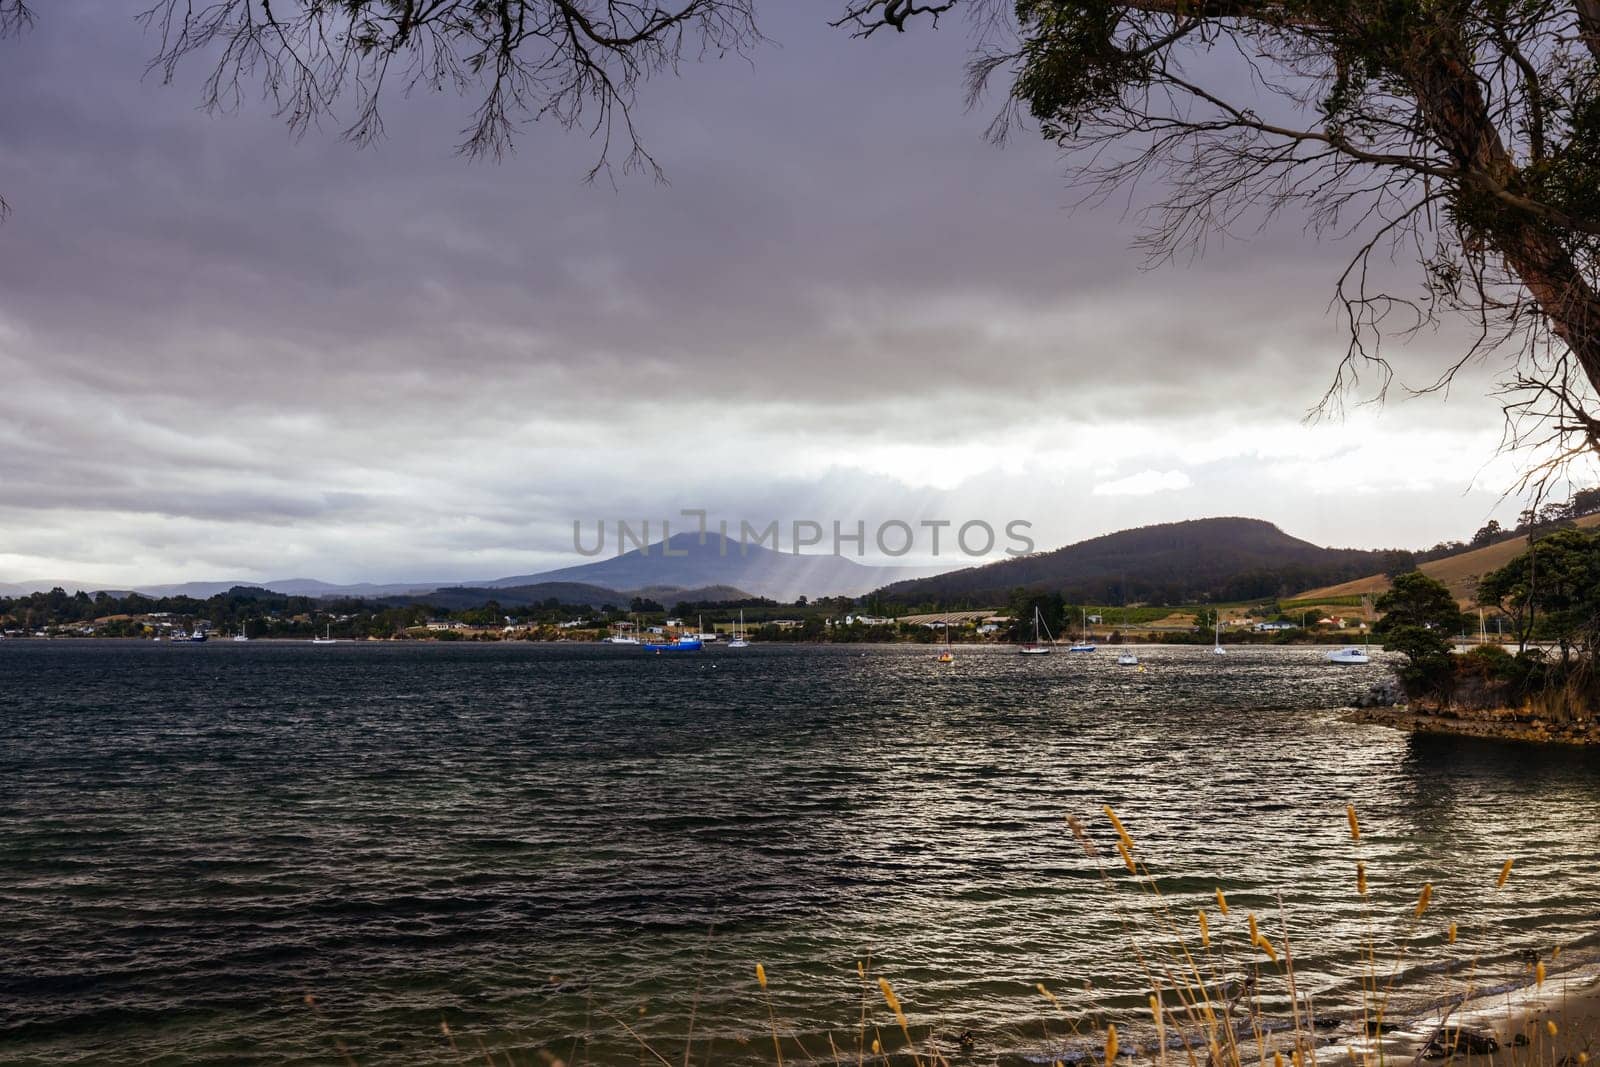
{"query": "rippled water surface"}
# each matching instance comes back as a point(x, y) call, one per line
point(535, 842)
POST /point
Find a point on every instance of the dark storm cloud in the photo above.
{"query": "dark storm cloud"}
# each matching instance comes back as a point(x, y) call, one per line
point(203, 320)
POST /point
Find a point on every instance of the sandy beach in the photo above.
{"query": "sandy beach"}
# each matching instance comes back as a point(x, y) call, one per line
point(1555, 1023)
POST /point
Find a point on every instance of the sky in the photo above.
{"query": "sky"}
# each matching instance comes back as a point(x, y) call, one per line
point(229, 352)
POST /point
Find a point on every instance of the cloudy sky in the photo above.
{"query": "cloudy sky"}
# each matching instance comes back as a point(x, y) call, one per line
point(230, 353)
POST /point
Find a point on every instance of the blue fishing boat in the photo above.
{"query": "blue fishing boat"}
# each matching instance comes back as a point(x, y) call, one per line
point(682, 644)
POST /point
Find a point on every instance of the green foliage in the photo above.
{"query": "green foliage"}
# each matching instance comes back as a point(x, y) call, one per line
point(1073, 64)
point(1419, 618)
point(1552, 591)
point(1052, 610)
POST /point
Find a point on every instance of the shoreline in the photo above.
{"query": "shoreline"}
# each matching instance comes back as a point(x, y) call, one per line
point(1530, 1023)
point(1496, 724)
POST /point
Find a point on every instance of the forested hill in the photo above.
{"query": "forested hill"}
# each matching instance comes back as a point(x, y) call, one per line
point(1172, 563)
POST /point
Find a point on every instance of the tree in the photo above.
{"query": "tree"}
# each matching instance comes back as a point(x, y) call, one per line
point(1419, 615)
point(1397, 562)
point(1487, 533)
point(1585, 502)
point(1466, 132)
point(1552, 590)
point(578, 62)
point(1052, 611)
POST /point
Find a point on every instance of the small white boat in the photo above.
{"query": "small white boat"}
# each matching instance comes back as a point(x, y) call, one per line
point(1037, 647)
point(327, 638)
point(621, 639)
point(243, 634)
point(1350, 655)
point(1216, 638)
point(738, 635)
point(1127, 659)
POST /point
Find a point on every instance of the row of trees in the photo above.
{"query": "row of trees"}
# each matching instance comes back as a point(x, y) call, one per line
point(1550, 594)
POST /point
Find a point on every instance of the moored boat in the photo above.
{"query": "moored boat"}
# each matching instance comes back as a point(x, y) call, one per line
point(682, 644)
point(1037, 647)
point(1087, 644)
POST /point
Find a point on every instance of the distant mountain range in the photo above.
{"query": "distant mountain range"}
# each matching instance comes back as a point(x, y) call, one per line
point(687, 566)
point(1176, 562)
point(713, 559)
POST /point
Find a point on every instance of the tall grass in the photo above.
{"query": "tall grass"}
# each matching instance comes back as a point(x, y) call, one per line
point(1207, 973)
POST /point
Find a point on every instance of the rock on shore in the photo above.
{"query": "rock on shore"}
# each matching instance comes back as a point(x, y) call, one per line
point(1505, 724)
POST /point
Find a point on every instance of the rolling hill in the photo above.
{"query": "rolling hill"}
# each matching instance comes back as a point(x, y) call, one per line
point(1460, 572)
point(1201, 559)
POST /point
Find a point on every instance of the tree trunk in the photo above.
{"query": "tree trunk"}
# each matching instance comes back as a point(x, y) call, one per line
point(1451, 98)
point(1565, 296)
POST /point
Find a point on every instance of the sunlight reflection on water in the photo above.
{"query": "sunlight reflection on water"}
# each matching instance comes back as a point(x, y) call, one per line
point(523, 838)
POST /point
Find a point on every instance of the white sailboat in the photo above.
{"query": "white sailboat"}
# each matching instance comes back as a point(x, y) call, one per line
point(1087, 644)
point(945, 655)
point(1216, 637)
point(1037, 647)
point(327, 638)
point(244, 632)
point(739, 640)
point(1127, 658)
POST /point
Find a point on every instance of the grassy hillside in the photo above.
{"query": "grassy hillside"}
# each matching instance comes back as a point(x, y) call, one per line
point(1460, 572)
point(1172, 563)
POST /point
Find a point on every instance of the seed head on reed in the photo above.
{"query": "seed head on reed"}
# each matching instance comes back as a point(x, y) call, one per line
point(1355, 824)
point(761, 976)
point(1538, 973)
point(1122, 833)
point(1423, 898)
point(1205, 929)
point(861, 970)
point(1361, 878)
point(1127, 858)
point(877, 1047)
point(1555, 953)
point(1046, 994)
point(894, 1005)
point(1222, 901)
point(1551, 1028)
point(1076, 826)
point(1277, 1059)
point(1255, 931)
point(1505, 872)
point(1111, 1043)
point(1452, 933)
point(1266, 946)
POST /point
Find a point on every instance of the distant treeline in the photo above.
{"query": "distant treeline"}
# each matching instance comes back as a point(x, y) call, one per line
point(1531, 521)
point(263, 613)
